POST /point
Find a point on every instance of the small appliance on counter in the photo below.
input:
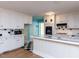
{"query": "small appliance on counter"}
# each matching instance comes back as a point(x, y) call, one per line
point(17, 32)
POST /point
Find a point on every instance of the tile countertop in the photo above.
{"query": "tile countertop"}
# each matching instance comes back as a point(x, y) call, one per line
point(66, 40)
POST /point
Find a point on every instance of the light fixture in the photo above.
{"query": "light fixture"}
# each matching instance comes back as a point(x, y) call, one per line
point(50, 13)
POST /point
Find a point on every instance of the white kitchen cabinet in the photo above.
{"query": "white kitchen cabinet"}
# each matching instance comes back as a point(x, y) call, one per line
point(11, 42)
point(13, 19)
point(61, 19)
point(16, 41)
point(4, 45)
point(2, 48)
point(27, 20)
point(19, 40)
point(73, 21)
point(53, 48)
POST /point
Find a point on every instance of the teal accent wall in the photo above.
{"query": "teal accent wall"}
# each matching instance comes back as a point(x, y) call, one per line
point(36, 20)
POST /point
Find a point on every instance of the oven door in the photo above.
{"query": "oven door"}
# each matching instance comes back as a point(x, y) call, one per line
point(48, 30)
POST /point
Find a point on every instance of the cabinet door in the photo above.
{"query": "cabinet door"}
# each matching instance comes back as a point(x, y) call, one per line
point(2, 47)
point(27, 20)
point(61, 19)
point(20, 40)
point(73, 21)
point(11, 43)
point(7, 45)
point(76, 21)
point(71, 24)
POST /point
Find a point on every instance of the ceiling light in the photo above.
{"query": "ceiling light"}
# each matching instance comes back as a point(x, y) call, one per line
point(50, 13)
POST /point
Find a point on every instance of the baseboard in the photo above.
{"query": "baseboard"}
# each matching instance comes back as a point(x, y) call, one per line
point(44, 55)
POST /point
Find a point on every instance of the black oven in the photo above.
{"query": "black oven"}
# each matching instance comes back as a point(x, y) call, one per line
point(48, 30)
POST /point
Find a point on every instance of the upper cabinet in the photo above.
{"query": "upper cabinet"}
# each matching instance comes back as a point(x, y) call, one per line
point(13, 19)
point(27, 19)
point(72, 19)
point(61, 19)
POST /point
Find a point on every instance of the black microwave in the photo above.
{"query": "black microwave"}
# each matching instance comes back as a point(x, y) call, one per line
point(48, 30)
point(17, 32)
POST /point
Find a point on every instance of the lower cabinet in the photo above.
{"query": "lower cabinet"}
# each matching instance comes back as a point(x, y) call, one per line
point(11, 43)
point(52, 49)
point(2, 47)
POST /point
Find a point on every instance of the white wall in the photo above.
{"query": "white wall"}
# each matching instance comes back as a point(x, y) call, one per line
point(13, 19)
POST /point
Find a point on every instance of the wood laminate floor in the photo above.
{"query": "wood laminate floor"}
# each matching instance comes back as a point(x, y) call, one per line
point(19, 53)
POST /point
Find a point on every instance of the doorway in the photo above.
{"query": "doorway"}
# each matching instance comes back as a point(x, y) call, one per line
point(27, 34)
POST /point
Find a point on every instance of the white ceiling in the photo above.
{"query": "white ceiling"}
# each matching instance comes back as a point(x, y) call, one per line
point(35, 8)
